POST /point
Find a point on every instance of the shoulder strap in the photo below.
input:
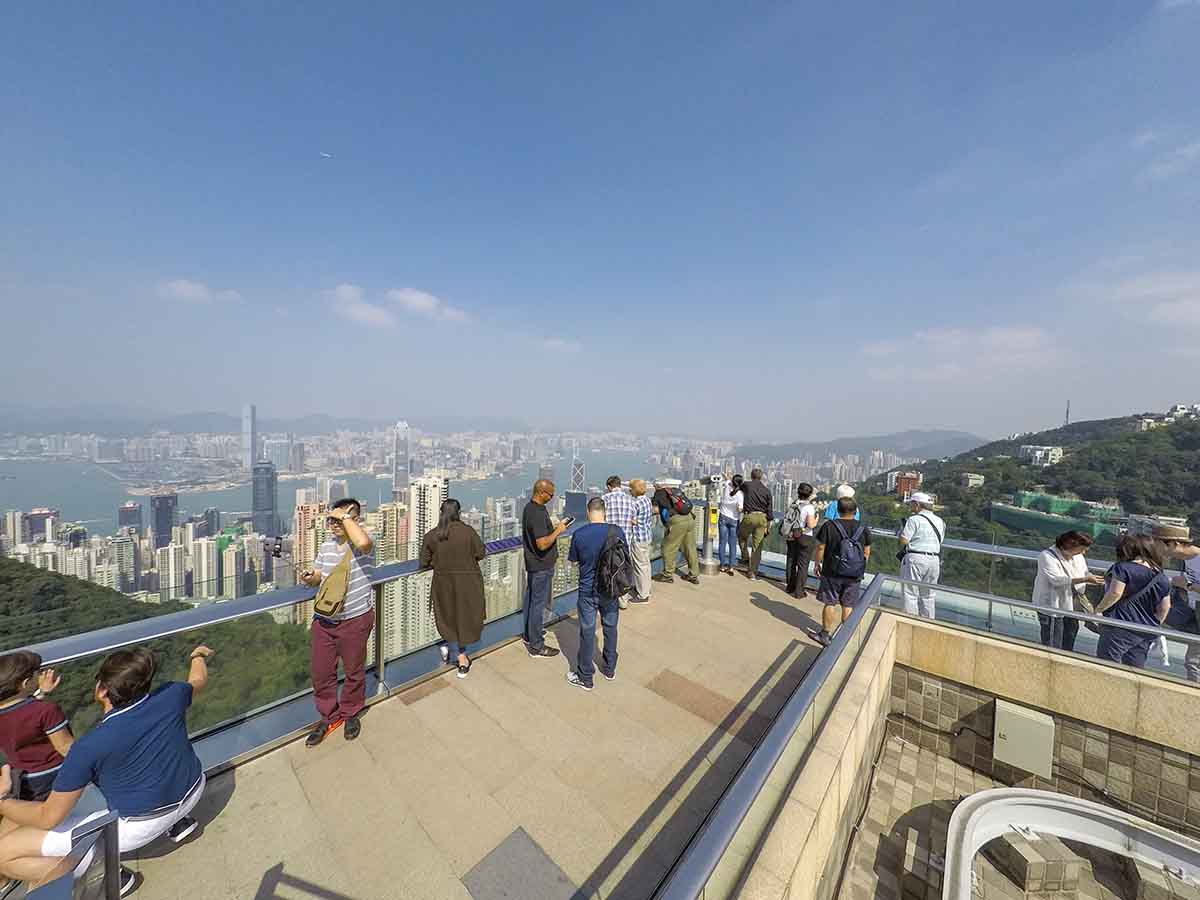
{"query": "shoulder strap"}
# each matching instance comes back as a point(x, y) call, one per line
point(838, 525)
point(941, 539)
point(858, 533)
point(1145, 588)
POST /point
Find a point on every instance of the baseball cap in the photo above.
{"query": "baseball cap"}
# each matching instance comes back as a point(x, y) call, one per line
point(844, 490)
point(919, 497)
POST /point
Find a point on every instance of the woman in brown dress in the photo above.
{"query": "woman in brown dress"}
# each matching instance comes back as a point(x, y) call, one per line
point(453, 550)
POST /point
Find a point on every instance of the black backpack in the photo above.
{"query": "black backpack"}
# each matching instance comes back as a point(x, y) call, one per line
point(614, 567)
point(680, 505)
point(851, 559)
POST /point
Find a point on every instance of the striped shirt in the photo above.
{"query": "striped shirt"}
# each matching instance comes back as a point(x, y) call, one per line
point(643, 520)
point(618, 510)
point(360, 596)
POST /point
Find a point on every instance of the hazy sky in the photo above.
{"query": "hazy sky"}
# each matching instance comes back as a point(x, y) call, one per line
point(758, 218)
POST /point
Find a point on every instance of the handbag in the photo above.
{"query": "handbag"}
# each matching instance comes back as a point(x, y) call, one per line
point(331, 595)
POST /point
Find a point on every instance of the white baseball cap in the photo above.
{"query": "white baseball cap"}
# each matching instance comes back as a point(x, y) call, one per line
point(919, 497)
point(844, 490)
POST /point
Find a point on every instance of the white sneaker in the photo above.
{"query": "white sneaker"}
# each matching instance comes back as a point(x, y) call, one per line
point(574, 679)
point(445, 651)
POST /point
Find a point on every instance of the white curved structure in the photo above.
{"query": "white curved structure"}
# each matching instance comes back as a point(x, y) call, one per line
point(989, 814)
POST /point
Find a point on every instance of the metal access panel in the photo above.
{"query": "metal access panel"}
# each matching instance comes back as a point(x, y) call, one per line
point(1024, 739)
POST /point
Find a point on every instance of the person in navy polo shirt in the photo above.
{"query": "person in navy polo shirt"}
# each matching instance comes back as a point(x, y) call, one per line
point(138, 755)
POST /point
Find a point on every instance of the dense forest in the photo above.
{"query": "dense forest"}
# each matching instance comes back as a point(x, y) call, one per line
point(257, 660)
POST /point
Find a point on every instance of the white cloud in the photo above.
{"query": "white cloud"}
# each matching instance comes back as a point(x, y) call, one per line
point(425, 304)
point(1173, 163)
point(1167, 296)
point(195, 292)
point(1145, 138)
point(561, 345)
point(1177, 4)
point(954, 354)
point(348, 302)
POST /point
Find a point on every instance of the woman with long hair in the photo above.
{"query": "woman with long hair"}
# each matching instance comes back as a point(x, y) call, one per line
point(1136, 590)
point(728, 520)
point(453, 550)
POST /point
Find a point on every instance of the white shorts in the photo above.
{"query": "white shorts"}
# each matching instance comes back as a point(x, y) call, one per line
point(132, 834)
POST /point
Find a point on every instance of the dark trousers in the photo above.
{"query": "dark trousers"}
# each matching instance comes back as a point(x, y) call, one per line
point(799, 552)
point(1058, 632)
point(1119, 645)
point(589, 602)
point(537, 598)
point(346, 641)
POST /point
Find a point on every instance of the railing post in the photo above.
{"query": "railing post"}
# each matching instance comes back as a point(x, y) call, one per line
point(112, 862)
point(381, 687)
point(708, 565)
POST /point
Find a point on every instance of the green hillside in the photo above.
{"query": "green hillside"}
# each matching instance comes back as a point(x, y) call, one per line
point(257, 660)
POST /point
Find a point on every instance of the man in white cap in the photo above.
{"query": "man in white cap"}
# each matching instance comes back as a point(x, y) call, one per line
point(843, 492)
point(1184, 587)
point(921, 545)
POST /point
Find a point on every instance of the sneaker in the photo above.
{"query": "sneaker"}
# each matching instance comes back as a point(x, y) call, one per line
point(752, 576)
point(574, 679)
point(612, 677)
point(623, 602)
point(129, 881)
point(662, 577)
point(445, 651)
point(353, 728)
point(180, 830)
point(694, 579)
point(729, 571)
point(463, 671)
point(639, 599)
point(820, 635)
point(316, 735)
point(544, 653)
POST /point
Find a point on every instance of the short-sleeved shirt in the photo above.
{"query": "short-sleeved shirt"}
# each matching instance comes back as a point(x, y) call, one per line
point(360, 596)
point(1181, 597)
point(535, 523)
point(924, 532)
point(619, 511)
point(139, 755)
point(662, 501)
point(758, 498)
point(828, 535)
point(643, 520)
point(24, 734)
point(1136, 577)
point(586, 545)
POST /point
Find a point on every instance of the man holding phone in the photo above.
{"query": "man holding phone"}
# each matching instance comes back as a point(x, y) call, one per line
point(342, 635)
point(539, 536)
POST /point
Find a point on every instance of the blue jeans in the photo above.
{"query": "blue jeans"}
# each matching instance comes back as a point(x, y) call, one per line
point(455, 649)
point(537, 598)
point(589, 602)
point(727, 529)
point(1119, 645)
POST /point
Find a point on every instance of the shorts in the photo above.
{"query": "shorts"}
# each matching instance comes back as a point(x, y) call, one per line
point(132, 834)
point(836, 591)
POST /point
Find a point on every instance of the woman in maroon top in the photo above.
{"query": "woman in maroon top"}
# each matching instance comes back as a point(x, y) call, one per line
point(34, 733)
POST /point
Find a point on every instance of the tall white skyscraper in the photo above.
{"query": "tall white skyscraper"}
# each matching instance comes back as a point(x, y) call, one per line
point(171, 563)
point(425, 497)
point(123, 552)
point(233, 570)
point(206, 569)
point(306, 495)
point(400, 470)
point(249, 436)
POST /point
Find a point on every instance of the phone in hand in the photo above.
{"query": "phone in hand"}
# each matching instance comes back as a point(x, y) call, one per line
point(568, 521)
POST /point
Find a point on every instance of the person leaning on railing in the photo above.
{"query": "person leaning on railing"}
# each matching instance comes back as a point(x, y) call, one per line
point(1184, 587)
point(138, 755)
point(453, 550)
point(1062, 577)
point(1136, 590)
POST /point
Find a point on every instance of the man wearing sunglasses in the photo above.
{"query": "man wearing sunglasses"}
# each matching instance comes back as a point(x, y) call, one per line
point(343, 635)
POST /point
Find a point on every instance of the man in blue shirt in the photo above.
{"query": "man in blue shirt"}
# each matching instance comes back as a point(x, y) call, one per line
point(138, 755)
point(586, 547)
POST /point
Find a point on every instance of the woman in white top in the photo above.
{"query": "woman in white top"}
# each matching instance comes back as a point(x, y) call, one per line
point(728, 519)
point(797, 530)
point(1062, 578)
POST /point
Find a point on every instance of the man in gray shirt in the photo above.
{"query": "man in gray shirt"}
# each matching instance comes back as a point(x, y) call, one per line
point(344, 634)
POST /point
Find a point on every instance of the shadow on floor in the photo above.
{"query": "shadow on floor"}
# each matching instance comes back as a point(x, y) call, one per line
point(217, 793)
point(642, 878)
point(274, 878)
point(784, 612)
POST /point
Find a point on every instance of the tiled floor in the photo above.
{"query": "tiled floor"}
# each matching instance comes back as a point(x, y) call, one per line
point(898, 853)
point(468, 789)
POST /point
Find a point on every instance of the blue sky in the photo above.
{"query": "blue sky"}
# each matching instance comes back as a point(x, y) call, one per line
point(754, 219)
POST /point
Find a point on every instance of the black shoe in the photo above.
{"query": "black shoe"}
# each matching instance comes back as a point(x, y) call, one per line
point(639, 599)
point(612, 677)
point(180, 830)
point(129, 881)
point(694, 579)
point(820, 635)
point(316, 735)
point(463, 671)
point(574, 679)
point(544, 653)
point(353, 728)
point(661, 577)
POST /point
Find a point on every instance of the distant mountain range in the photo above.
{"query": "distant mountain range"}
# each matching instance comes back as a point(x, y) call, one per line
point(915, 443)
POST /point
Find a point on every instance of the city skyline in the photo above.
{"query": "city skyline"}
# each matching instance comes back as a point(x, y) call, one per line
point(959, 203)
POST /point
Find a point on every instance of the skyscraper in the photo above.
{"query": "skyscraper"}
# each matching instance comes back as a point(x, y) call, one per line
point(212, 519)
point(16, 526)
point(392, 543)
point(129, 515)
point(206, 569)
point(249, 436)
point(170, 562)
point(264, 503)
point(576, 497)
point(307, 495)
point(162, 518)
point(425, 497)
point(38, 518)
point(331, 490)
point(400, 470)
point(296, 458)
point(278, 452)
point(123, 551)
point(233, 571)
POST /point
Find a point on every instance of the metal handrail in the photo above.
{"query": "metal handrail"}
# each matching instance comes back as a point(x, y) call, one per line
point(1027, 606)
point(104, 640)
point(691, 872)
point(995, 550)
